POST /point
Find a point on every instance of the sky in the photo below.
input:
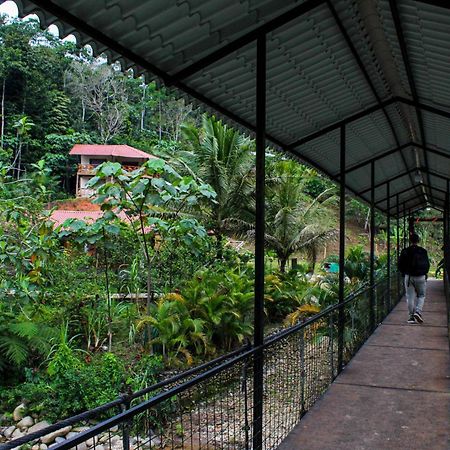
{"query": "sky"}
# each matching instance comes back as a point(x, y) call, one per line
point(10, 8)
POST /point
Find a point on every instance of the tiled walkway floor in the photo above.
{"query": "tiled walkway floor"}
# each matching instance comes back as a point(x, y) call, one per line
point(394, 394)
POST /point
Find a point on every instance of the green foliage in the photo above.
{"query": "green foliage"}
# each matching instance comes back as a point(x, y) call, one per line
point(357, 263)
point(21, 338)
point(222, 157)
point(283, 293)
point(294, 221)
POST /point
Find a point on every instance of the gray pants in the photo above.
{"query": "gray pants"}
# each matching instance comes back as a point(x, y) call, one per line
point(415, 288)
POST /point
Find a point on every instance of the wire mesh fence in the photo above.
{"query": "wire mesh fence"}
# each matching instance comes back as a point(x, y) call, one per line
point(213, 406)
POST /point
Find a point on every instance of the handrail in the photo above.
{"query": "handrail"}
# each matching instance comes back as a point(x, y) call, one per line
point(209, 369)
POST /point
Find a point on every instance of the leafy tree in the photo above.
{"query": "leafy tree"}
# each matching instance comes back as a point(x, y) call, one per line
point(102, 93)
point(223, 158)
point(152, 198)
point(294, 221)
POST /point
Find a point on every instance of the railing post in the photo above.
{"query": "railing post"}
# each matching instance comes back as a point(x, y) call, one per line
point(388, 226)
point(341, 316)
point(302, 373)
point(258, 378)
point(372, 246)
point(125, 406)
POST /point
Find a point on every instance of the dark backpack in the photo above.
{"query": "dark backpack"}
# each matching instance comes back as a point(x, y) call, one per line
point(414, 261)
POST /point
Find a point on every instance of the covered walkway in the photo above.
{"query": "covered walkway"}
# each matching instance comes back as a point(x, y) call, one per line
point(394, 394)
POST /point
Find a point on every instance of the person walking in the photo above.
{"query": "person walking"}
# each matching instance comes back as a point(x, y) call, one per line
point(414, 265)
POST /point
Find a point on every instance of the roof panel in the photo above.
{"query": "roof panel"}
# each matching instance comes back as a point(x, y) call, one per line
point(426, 34)
point(313, 77)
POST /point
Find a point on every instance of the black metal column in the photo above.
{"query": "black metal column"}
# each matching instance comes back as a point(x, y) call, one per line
point(444, 232)
point(388, 227)
point(410, 227)
point(341, 318)
point(398, 246)
point(404, 226)
point(446, 237)
point(258, 378)
point(372, 246)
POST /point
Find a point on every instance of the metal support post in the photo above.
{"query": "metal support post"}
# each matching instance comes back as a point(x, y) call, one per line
point(372, 246)
point(446, 237)
point(398, 247)
point(341, 318)
point(258, 391)
point(445, 234)
point(410, 227)
point(404, 226)
point(388, 248)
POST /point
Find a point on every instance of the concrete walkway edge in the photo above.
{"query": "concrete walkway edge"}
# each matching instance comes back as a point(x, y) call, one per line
point(395, 392)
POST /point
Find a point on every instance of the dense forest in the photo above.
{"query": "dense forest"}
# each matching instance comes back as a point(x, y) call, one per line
point(89, 310)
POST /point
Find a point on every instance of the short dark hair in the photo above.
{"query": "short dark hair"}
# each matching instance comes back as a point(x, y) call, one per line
point(415, 239)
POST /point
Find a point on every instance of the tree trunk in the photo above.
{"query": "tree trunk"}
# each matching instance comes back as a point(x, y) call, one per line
point(283, 262)
point(2, 131)
point(143, 108)
point(313, 259)
point(219, 243)
point(18, 159)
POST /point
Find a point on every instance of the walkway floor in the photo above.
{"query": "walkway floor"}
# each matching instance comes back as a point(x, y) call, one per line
point(394, 394)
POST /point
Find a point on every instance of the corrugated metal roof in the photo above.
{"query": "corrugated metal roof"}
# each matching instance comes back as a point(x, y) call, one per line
point(337, 59)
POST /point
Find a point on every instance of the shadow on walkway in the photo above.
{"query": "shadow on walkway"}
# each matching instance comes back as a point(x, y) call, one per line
point(394, 394)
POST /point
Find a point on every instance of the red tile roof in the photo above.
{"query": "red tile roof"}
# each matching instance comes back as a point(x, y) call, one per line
point(124, 151)
point(60, 216)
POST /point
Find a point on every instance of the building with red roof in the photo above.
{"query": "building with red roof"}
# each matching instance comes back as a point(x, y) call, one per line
point(92, 155)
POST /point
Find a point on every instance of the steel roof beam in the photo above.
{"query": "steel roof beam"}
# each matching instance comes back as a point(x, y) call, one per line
point(435, 151)
point(396, 177)
point(378, 157)
point(417, 207)
point(409, 189)
point(346, 121)
point(366, 76)
point(248, 38)
point(439, 3)
point(403, 174)
point(360, 64)
point(409, 74)
point(428, 108)
point(438, 175)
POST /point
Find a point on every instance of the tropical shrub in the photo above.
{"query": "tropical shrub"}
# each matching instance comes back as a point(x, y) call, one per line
point(357, 263)
point(174, 331)
point(283, 293)
point(223, 299)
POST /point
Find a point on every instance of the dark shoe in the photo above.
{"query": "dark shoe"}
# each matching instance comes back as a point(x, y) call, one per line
point(411, 319)
point(418, 317)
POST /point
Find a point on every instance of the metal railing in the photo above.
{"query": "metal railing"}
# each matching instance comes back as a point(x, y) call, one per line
point(89, 169)
point(211, 406)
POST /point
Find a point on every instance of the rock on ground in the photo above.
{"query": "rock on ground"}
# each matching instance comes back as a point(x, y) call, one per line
point(19, 412)
point(9, 431)
point(26, 422)
point(38, 426)
point(49, 438)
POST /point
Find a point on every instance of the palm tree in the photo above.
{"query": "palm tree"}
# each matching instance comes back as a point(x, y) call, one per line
point(294, 221)
point(223, 158)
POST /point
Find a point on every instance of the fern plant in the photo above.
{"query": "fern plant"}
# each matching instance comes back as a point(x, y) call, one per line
point(20, 337)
